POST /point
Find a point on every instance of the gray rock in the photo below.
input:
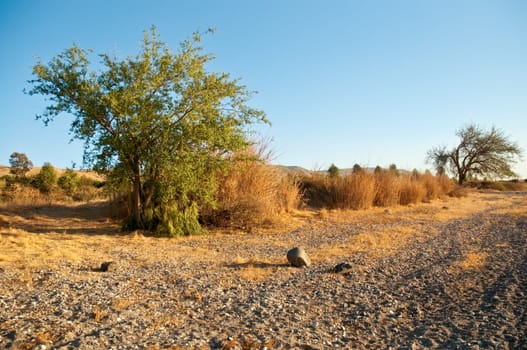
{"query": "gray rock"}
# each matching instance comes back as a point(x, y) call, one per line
point(298, 257)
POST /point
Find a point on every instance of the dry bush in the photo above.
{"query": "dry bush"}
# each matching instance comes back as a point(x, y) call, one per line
point(253, 193)
point(411, 190)
point(445, 183)
point(319, 190)
point(431, 185)
point(355, 191)
point(88, 189)
point(361, 190)
point(18, 194)
point(387, 189)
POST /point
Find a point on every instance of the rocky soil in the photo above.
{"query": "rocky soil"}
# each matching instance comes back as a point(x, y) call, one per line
point(454, 282)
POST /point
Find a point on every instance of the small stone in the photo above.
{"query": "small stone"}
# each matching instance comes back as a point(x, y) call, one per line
point(107, 266)
point(342, 268)
point(298, 257)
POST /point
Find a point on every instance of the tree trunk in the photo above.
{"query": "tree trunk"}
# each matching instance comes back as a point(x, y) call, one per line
point(136, 198)
point(461, 178)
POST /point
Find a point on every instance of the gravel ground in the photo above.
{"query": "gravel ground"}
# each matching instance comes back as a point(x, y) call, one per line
point(459, 283)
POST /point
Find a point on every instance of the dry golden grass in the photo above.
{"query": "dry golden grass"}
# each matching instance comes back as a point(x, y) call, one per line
point(4, 170)
point(355, 191)
point(49, 236)
point(375, 244)
point(387, 190)
point(411, 191)
point(256, 269)
point(253, 194)
point(362, 190)
point(474, 261)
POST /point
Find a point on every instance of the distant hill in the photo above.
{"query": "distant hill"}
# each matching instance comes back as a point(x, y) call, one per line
point(293, 169)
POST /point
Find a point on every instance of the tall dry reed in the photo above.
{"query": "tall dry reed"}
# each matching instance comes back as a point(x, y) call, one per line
point(253, 193)
point(355, 191)
point(361, 190)
point(387, 189)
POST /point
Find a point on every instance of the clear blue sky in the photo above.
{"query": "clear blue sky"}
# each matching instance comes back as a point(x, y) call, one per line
point(344, 82)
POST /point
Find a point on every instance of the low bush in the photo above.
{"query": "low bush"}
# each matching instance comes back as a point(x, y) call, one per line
point(411, 190)
point(252, 193)
point(46, 179)
point(69, 182)
point(319, 191)
point(355, 191)
point(431, 186)
point(387, 189)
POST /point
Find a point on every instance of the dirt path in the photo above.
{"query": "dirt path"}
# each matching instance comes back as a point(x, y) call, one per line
point(441, 275)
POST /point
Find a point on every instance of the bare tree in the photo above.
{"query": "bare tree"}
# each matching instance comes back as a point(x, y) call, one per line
point(479, 152)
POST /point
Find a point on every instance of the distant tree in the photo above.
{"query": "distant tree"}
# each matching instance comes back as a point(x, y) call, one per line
point(46, 178)
point(357, 168)
point(159, 123)
point(20, 164)
point(393, 169)
point(479, 153)
point(333, 171)
point(69, 181)
point(377, 170)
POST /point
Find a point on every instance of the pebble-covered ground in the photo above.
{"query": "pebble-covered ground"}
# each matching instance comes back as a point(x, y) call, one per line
point(436, 275)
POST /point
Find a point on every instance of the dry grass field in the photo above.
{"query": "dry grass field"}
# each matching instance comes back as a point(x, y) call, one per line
point(231, 289)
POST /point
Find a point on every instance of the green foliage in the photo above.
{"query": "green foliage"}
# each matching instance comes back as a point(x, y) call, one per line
point(479, 153)
point(69, 182)
point(20, 164)
point(357, 169)
point(159, 123)
point(393, 169)
point(333, 171)
point(46, 179)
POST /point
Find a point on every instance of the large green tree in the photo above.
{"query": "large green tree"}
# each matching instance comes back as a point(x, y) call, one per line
point(159, 122)
point(480, 152)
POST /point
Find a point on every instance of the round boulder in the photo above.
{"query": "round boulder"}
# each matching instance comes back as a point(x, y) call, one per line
point(298, 257)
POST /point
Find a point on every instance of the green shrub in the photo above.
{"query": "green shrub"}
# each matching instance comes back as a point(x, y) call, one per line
point(46, 179)
point(69, 182)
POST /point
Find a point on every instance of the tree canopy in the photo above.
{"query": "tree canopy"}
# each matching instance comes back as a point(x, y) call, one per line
point(20, 164)
point(333, 171)
point(159, 123)
point(479, 153)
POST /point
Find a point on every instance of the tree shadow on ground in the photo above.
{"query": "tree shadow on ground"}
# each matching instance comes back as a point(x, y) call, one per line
point(93, 218)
